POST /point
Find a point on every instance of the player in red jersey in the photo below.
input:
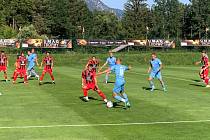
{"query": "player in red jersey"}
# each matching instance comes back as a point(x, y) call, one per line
point(3, 64)
point(89, 82)
point(48, 63)
point(21, 70)
point(93, 61)
point(204, 72)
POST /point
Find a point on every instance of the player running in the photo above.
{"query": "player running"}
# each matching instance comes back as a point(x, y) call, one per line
point(48, 63)
point(94, 62)
point(155, 72)
point(119, 88)
point(111, 61)
point(4, 64)
point(89, 82)
point(204, 72)
point(32, 61)
point(21, 63)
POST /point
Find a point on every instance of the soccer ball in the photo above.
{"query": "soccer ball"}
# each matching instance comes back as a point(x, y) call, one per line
point(109, 104)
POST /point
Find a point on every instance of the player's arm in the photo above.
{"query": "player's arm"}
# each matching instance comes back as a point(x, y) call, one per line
point(106, 71)
point(83, 81)
point(52, 63)
point(103, 66)
point(7, 63)
point(150, 68)
point(42, 63)
point(36, 60)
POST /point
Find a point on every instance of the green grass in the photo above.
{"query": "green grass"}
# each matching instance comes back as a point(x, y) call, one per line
point(34, 105)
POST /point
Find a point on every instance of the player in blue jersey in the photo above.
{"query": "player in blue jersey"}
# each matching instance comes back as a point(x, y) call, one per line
point(111, 61)
point(119, 88)
point(32, 61)
point(155, 72)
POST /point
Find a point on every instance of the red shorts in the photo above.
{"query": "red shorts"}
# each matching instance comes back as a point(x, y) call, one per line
point(204, 74)
point(3, 68)
point(49, 70)
point(21, 71)
point(92, 86)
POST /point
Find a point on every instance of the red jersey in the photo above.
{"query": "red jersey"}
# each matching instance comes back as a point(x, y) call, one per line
point(3, 60)
point(22, 62)
point(48, 62)
point(205, 61)
point(95, 64)
point(88, 76)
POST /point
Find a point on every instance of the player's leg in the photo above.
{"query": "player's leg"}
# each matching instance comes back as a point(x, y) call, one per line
point(107, 77)
point(29, 74)
point(24, 73)
point(15, 75)
point(5, 76)
point(206, 77)
point(125, 96)
point(159, 76)
point(151, 83)
point(42, 76)
point(85, 93)
point(100, 93)
point(52, 77)
point(116, 93)
point(33, 72)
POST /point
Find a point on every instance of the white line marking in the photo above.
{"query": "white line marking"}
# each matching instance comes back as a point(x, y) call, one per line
point(108, 124)
point(167, 77)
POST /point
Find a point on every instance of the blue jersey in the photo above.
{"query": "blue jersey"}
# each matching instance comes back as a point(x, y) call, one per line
point(111, 61)
point(119, 72)
point(31, 61)
point(155, 65)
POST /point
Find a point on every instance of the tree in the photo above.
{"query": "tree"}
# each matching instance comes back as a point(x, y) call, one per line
point(105, 26)
point(135, 19)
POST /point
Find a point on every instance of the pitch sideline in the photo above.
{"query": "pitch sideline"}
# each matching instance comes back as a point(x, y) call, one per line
point(108, 124)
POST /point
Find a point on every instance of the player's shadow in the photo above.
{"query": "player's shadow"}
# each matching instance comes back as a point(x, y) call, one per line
point(117, 105)
point(198, 81)
point(4, 80)
point(90, 98)
point(148, 89)
point(197, 85)
point(47, 83)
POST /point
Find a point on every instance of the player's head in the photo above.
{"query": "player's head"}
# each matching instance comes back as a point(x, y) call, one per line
point(33, 50)
point(29, 52)
point(154, 55)
point(119, 61)
point(93, 58)
point(203, 53)
point(22, 54)
point(110, 53)
point(2, 53)
point(90, 67)
point(48, 53)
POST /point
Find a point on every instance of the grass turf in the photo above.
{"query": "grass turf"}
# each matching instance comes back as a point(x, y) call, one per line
point(34, 105)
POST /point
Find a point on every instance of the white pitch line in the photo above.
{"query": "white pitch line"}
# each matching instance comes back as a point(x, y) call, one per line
point(166, 77)
point(97, 125)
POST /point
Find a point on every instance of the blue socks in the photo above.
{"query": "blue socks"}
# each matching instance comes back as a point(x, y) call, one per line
point(107, 78)
point(151, 84)
point(125, 97)
point(119, 98)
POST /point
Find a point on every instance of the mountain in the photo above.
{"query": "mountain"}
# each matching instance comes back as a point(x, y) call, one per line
point(100, 6)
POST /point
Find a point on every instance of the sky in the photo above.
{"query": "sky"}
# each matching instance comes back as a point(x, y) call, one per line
point(120, 3)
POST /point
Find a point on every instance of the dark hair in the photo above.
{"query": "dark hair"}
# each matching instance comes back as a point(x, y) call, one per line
point(119, 59)
point(2, 51)
point(204, 51)
point(93, 56)
point(90, 65)
point(154, 53)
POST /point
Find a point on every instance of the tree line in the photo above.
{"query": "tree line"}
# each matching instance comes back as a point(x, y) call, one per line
point(165, 19)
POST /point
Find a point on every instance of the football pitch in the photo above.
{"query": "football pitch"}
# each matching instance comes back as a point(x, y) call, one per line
point(56, 112)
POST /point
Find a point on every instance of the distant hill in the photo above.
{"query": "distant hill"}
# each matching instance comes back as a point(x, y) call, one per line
point(100, 6)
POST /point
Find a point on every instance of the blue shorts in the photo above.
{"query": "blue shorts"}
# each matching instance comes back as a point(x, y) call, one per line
point(155, 75)
point(119, 87)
